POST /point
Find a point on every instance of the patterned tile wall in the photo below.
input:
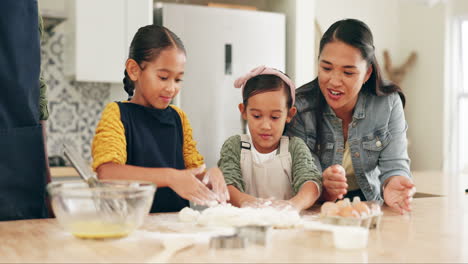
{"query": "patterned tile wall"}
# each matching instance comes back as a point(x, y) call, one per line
point(74, 107)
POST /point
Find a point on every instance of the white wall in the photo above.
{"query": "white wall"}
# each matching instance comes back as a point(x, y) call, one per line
point(259, 4)
point(380, 15)
point(300, 41)
point(54, 5)
point(305, 42)
point(424, 85)
point(458, 7)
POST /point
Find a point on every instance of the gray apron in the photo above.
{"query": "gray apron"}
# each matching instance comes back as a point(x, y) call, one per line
point(272, 178)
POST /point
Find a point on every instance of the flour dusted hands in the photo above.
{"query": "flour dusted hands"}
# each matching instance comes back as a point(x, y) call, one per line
point(334, 183)
point(398, 193)
point(189, 187)
point(214, 178)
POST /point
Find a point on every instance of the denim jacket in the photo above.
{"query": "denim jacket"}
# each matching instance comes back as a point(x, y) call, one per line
point(376, 136)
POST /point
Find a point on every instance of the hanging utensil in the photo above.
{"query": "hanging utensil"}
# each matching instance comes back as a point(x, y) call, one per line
point(80, 165)
point(109, 206)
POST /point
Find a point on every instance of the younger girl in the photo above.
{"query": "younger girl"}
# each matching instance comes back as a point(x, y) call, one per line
point(267, 164)
point(148, 139)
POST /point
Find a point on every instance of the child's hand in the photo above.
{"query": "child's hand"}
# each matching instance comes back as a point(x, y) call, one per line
point(334, 182)
point(398, 193)
point(185, 184)
point(215, 178)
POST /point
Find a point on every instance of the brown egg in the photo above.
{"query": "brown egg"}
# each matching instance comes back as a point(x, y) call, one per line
point(329, 208)
point(349, 212)
point(343, 203)
point(347, 201)
point(356, 200)
point(362, 208)
point(334, 212)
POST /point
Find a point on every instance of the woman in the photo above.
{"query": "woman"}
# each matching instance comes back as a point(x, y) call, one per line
point(348, 115)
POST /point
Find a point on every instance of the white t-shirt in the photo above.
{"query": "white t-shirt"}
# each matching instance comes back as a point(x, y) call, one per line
point(260, 158)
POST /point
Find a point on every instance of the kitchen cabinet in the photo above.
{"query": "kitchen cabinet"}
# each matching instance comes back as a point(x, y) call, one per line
point(99, 34)
point(222, 44)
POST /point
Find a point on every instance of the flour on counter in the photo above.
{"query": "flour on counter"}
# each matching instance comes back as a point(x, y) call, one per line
point(228, 215)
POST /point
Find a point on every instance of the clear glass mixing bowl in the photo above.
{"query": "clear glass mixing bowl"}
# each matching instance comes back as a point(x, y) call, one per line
point(112, 209)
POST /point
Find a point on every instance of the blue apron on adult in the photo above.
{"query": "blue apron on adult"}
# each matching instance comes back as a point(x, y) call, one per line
point(22, 159)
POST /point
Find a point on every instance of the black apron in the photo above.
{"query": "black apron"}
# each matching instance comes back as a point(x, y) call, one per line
point(155, 139)
point(22, 159)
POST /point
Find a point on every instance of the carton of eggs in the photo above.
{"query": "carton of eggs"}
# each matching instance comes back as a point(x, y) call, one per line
point(357, 213)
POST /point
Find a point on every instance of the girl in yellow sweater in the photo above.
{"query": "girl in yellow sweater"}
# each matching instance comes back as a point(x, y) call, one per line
point(148, 139)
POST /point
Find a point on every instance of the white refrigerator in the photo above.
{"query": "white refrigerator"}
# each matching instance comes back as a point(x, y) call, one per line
point(222, 44)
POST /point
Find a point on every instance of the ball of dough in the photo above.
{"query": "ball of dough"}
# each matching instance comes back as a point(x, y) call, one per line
point(212, 203)
point(188, 215)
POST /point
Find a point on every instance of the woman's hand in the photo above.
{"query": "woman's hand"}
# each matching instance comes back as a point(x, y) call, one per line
point(186, 184)
point(334, 183)
point(215, 178)
point(398, 193)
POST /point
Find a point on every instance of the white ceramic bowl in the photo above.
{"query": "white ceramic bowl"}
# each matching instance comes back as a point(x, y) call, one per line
point(350, 237)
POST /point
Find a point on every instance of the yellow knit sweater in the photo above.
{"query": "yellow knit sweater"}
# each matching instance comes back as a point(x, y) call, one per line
point(110, 145)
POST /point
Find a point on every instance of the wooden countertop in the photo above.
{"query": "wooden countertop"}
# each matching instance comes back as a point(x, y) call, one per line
point(63, 172)
point(436, 231)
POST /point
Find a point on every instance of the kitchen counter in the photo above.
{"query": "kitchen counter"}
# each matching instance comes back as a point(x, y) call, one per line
point(60, 172)
point(432, 182)
point(436, 231)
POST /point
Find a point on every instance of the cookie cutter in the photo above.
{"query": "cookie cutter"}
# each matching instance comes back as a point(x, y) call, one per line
point(228, 242)
point(254, 234)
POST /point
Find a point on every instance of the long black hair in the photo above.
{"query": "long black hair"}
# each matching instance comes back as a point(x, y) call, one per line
point(147, 44)
point(356, 34)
